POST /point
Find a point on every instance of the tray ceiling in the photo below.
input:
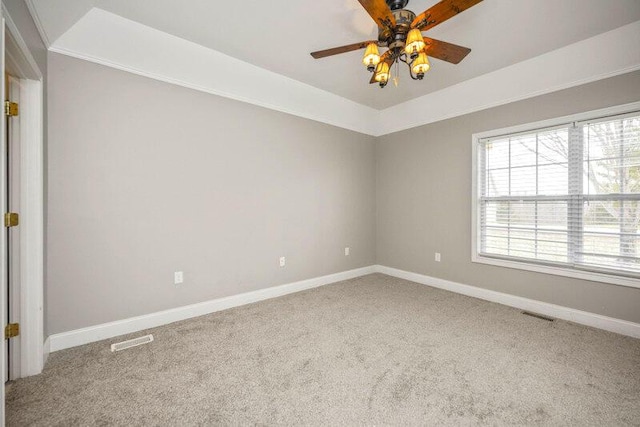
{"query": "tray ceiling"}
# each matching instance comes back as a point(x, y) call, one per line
point(278, 35)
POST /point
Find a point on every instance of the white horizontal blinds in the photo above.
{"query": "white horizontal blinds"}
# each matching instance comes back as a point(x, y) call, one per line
point(524, 199)
point(567, 195)
point(611, 207)
point(576, 198)
point(526, 229)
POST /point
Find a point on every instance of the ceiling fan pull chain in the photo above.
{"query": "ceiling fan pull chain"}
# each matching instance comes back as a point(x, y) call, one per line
point(396, 79)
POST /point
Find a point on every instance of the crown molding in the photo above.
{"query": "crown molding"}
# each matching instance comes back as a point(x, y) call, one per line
point(33, 11)
point(23, 50)
point(606, 55)
point(99, 37)
point(117, 42)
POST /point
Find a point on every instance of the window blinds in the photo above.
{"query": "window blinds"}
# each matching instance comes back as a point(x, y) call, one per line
point(567, 195)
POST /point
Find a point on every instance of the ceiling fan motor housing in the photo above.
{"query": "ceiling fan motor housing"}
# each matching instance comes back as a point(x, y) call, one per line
point(404, 18)
point(395, 37)
point(397, 4)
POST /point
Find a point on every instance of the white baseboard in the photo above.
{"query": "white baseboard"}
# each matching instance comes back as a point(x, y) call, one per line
point(121, 327)
point(611, 324)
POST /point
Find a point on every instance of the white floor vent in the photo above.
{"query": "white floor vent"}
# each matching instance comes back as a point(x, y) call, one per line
point(131, 343)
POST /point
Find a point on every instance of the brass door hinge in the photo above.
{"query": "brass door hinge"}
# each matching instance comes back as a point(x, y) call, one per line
point(11, 219)
point(11, 330)
point(11, 108)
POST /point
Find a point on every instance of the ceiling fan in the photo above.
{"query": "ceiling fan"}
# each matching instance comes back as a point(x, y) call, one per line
point(400, 30)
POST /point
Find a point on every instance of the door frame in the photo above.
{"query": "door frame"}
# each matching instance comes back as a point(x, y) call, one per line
point(31, 118)
point(13, 244)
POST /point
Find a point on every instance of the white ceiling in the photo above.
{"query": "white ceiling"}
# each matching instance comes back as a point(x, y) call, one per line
point(278, 35)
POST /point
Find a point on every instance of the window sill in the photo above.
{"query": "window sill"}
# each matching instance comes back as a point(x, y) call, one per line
point(558, 271)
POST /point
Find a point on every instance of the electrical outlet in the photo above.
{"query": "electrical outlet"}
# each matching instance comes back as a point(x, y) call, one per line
point(346, 251)
point(178, 277)
point(283, 261)
point(437, 256)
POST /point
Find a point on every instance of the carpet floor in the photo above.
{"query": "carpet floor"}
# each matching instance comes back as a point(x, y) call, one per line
point(371, 350)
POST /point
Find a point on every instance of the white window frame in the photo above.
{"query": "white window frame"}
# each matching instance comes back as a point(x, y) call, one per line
point(532, 265)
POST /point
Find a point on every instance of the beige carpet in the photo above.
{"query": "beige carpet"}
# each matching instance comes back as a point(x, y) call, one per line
point(372, 350)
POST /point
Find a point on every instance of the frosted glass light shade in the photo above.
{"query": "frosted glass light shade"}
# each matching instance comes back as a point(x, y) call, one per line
point(371, 56)
point(421, 64)
point(415, 42)
point(382, 73)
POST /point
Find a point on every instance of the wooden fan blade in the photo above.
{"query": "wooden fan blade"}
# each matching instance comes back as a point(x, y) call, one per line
point(445, 51)
point(386, 57)
point(440, 12)
point(341, 49)
point(380, 12)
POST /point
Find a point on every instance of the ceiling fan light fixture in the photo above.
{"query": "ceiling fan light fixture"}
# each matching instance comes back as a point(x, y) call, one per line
point(371, 57)
point(415, 43)
point(400, 33)
point(421, 65)
point(382, 74)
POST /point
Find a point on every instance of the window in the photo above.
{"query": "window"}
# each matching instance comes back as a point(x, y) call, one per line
point(561, 198)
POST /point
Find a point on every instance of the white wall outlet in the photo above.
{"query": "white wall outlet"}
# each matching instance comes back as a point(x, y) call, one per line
point(346, 251)
point(283, 261)
point(178, 277)
point(437, 256)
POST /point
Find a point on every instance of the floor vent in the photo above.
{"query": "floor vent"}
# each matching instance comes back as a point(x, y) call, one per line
point(539, 316)
point(131, 343)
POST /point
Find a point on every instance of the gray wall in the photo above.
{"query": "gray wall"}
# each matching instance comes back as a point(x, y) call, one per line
point(424, 201)
point(146, 178)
